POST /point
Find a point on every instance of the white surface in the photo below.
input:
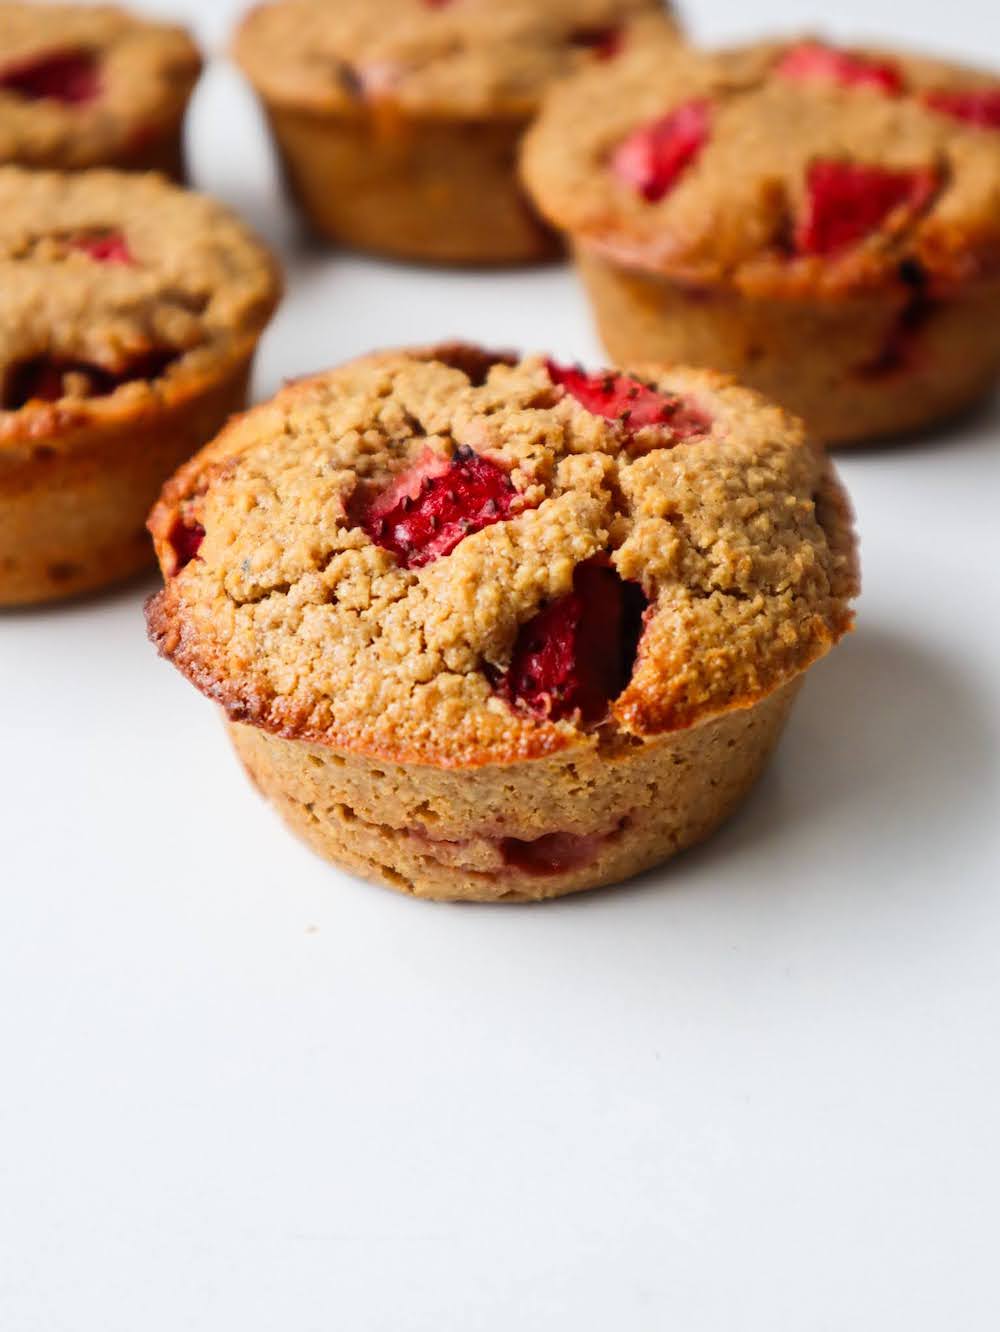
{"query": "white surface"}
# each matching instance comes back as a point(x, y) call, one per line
point(757, 1092)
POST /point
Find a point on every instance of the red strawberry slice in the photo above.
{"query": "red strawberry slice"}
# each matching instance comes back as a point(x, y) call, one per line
point(70, 77)
point(577, 654)
point(44, 378)
point(106, 247)
point(428, 510)
point(813, 60)
point(979, 107)
point(605, 42)
point(631, 402)
point(653, 156)
point(555, 853)
point(185, 539)
point(847, 201)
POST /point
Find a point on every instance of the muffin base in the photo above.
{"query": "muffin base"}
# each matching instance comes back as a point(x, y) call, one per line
point(436, 190)
point(73, 513)
point(524, 832)
point(856, 369)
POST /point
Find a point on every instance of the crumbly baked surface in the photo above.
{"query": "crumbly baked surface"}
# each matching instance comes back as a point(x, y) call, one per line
point(438, 57)
point(119, 81)
point(740, 177)
point(118, 293)
point(280, 605)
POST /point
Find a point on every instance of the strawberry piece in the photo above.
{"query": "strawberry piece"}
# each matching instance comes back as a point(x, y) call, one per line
point(44, 378)
point(631, 402)
point(70, 77)
point(577, 654)
point(653, 156)
point(185, 539)
point(812, 60)
point(979, 107)
point(106, 247)
point(428, 510)
point(605, 42)
point(555, 853)
point(847, 201)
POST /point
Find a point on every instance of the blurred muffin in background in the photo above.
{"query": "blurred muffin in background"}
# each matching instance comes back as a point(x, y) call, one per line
point(84, 86)
point(130, 311)
point(823, 223)
point(398, 121)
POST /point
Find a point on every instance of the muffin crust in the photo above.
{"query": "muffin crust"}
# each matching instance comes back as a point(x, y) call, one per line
point(84, 86)
point(457, 58)
point(295, 620)
point(825, 224)
point(730, 215)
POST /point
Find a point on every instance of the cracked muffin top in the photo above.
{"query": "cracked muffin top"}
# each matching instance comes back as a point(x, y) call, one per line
point(116, 290)
point(82, 85)
point(792, 168)
point(455, 557)
point(447, 57)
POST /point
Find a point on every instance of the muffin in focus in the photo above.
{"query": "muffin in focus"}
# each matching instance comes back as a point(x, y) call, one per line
point(824, 224)
point(499, 630)
point(85, 86)
point(398, 121)
point(130, 310)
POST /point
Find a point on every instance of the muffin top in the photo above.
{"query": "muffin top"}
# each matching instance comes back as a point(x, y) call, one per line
point(116, 289)
point(455, 557)
point(778, 168)
point(82, 85)
point(436, 57)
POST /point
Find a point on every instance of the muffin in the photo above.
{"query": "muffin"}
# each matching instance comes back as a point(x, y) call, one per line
point(84, 86)
point(398, 120)
point(823, 224)
point(499, 630)
point(130, 310)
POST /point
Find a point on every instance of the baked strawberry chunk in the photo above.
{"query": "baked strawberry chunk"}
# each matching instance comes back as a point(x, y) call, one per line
point(653, 156)
point(104, 247)
point(813, 60)
point(50, 378)
point(605, 42)
point(847, 201)
point(979, 107)
point(629, 401)
point(185, 540)
point(70, 77)
point(428, 510)
point(555, 853)
point(577, 654)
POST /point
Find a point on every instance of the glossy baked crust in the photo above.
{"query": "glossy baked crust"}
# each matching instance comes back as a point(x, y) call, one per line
point(293, 619)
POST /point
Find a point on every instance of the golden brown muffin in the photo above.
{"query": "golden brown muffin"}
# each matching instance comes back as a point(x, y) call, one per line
point(500, 630)
point(823, 224)
point(398, 120)
point(84, 86)
point(130, 311)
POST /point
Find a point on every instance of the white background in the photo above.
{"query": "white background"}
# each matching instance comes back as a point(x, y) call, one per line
point(757, 1091)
